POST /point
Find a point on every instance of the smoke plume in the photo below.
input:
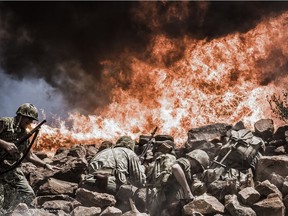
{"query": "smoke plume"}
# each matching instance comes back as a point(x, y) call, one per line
point(65, 46)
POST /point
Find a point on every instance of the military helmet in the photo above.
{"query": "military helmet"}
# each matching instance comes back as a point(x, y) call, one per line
point(125, 141)
point(28, 110)
point(200, 156)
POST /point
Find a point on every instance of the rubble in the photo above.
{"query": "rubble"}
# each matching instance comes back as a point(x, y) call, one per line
point(58, 192)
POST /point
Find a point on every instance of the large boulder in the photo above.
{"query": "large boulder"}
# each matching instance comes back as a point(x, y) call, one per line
point(268, 166)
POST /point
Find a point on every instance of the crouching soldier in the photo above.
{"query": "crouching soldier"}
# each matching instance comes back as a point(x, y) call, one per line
point(187, 172)
point(177, 186)
point(158, 177)
point(114, 167)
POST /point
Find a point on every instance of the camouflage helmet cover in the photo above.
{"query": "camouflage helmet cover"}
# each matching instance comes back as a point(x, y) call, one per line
point(200, 156)
point(125, 141)
point(28, 110)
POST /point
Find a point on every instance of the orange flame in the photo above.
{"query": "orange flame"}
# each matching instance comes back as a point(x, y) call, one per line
point(186, 83)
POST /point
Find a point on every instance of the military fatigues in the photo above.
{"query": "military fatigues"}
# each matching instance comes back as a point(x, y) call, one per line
point(113, 167)
point(16, 186)
point(158, 181)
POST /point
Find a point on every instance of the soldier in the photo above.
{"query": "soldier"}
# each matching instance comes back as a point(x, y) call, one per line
point(17, 188)
point(177, 176)
point(185, 171)
point(114, 167)
point(158, 177)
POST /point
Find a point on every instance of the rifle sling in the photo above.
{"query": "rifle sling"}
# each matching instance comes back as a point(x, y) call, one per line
point(24, 155)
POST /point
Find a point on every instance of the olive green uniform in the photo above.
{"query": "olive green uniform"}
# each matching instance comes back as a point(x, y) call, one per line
point(113, 167)
point(16, 186)
point(158, 181)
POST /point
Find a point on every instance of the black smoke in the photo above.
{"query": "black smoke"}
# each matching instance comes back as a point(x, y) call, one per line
point(64, 43)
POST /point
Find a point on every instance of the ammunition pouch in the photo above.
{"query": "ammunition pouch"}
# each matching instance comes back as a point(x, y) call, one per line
point(99, 179)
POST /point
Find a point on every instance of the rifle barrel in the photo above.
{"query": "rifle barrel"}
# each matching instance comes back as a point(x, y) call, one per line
point(25, 137)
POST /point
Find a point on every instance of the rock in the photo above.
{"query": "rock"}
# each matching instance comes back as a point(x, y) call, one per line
point(91, 150)
point(264, 128)
point(265, 188)
point(208, 132)
point(40, 200)
point(90, 199)
point(204, 145)
point(125, 192)
point(249, 196)
point(111, 211)
point(54, 187)
point(285, 186)
point(220, 188)
point(86, 211)
point(40, 212)
point(268, 165)
point(72, 168)
point(77, 151)
point(63, 205)
point(280, 133)
point(162, 137)
point(235, 208)
point(204, 204)
point(21, 210)
point(270, 206)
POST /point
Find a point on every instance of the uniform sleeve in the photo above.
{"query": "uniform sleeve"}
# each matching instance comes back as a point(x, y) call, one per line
point(137, 175)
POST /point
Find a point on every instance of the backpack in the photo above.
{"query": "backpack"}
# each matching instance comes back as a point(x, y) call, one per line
point(244, 148)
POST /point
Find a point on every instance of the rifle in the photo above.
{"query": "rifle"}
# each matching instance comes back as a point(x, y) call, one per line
point(28, 135)
point(34, 131)
point(142, 156)
point(218, 165)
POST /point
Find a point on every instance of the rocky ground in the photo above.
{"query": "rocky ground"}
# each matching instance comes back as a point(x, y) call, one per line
point(58, 193)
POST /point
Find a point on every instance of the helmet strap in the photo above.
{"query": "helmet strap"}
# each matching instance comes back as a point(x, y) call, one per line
point(19, 118)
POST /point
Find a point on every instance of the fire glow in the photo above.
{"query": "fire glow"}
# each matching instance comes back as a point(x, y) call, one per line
point(224, 80)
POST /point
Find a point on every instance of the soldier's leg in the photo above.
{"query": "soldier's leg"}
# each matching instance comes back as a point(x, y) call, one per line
point(17, 190)
point(24, 191)
point(156, 199)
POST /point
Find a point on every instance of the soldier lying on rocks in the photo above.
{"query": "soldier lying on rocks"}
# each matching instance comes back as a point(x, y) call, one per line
point(115, 167)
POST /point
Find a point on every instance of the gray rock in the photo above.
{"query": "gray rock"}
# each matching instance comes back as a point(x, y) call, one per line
point(249, 196)
point(86, 211)
point(90, 199)
point(111, 211)
point(237, 209)
point(270, 206)
point(204, 204)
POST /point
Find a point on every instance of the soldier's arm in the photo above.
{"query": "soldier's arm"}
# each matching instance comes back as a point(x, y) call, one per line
point(8, 146)
point(31, 157)
point(181, 179)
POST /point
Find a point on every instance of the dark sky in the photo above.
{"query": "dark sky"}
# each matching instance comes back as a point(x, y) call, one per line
point(51, 52)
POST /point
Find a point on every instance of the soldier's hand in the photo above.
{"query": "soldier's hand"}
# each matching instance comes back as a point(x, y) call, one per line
point(11, 148)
